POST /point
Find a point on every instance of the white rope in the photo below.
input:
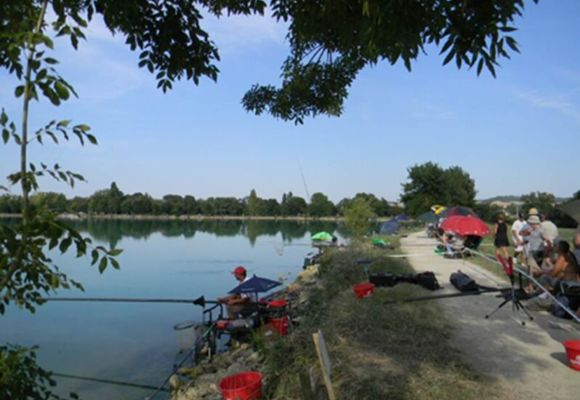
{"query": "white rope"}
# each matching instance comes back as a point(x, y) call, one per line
point(554, 299)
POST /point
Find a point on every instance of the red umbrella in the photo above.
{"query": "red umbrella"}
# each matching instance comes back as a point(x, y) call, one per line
point(465, 225)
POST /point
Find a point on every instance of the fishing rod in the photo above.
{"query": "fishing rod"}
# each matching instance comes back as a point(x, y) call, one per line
point(200, 301)
point(482, 290)
point(108, 381)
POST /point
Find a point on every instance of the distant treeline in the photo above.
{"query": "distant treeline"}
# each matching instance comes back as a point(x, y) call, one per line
point(113, 201)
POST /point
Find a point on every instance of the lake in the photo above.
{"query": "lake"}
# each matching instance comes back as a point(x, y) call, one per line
point(161, 259)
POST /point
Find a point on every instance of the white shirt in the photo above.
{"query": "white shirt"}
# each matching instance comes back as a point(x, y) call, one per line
point(252, 296)
point(517, 227)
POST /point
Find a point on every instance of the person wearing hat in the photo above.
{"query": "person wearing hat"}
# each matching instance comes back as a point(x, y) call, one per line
point(239, 304)
point(535, 244)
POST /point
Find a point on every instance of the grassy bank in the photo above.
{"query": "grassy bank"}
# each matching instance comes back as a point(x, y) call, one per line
point(377, 351)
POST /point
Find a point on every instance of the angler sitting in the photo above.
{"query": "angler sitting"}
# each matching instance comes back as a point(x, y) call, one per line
point(563, 269)
point(243, 304)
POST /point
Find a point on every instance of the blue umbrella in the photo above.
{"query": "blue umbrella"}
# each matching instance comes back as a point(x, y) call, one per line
point(390, 227)
point(255, 285)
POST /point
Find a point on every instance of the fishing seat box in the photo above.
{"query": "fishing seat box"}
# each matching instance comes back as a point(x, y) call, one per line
point(383, 279)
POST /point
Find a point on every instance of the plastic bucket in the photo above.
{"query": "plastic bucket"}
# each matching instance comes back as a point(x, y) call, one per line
point(280, 325)
point(278, 303)
point(363, 289)
point(242, 386)
point(573, 353)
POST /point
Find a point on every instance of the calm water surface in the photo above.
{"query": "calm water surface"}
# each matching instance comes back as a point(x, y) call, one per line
point(161, 259)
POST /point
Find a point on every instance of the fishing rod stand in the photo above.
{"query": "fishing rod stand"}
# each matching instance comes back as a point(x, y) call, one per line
point(512, 294)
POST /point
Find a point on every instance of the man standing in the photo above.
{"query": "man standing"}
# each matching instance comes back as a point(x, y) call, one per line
point(535, 245)
point(518, 226)
point(549, 230)
point(239, 304)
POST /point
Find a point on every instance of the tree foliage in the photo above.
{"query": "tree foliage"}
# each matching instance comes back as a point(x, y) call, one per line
point(381, 207)
point(542, 201)
point(428, 184)
point(21, 378)
point(321, 206)
point(358, 216)
point(331, 42)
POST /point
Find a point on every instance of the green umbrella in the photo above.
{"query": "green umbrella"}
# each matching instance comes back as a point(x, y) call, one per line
point(322, 236)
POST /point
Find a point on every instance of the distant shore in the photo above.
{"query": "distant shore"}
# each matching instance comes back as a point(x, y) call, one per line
point(145, 217)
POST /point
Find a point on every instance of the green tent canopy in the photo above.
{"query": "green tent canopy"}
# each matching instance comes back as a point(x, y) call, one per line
point(322, 236)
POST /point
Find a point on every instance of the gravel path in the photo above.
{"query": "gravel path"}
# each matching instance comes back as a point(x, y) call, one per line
point(526, 362)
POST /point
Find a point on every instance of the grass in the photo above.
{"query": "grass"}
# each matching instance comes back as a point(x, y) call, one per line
point(377, 351)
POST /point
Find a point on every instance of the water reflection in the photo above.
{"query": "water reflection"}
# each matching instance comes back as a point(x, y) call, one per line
point(161, 259)
point(112, 231)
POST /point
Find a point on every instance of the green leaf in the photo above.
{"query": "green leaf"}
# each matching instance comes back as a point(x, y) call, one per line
point(449, 57)
point(115, 252)
point(94, 257)
point(114, 263)
point(65, 244)
point(50, 60)
point(61, 90)
point(479, 66)
point(5, 135)
point(19, 91)
point(3, 118)
point(92, 138)
point(103, 265)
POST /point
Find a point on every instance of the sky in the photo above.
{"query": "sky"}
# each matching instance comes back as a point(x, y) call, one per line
point(514, 134)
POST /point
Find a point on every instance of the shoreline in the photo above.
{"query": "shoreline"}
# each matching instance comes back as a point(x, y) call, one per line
point(146, 217)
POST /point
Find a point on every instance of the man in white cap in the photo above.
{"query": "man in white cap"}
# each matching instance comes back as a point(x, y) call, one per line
point(535, 244)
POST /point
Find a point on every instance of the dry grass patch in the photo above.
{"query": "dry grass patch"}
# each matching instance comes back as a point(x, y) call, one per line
point(377, 351)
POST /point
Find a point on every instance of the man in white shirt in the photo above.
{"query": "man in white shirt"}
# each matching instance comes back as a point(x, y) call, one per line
point(239, 304)
point(518, 226)
point(549, 230)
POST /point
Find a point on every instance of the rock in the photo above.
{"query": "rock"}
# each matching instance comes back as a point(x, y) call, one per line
point(175, 382)
point(198, 391)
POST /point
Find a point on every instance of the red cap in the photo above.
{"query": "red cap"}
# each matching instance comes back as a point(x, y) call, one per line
point(239, 270)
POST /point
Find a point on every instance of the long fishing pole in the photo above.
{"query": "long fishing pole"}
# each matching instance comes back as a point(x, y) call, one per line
point(443, 296)
point(108, 381)
point(199, 301)
point(303, 180)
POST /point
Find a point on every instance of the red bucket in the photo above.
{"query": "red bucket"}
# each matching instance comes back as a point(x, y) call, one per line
point(278, 303)
point(280, 325)
point(242, 386)
point(573, 353)
point(363, 289)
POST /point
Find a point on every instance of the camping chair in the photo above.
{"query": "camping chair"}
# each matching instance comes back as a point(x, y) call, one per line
point(571, 290)
point(461, 247)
